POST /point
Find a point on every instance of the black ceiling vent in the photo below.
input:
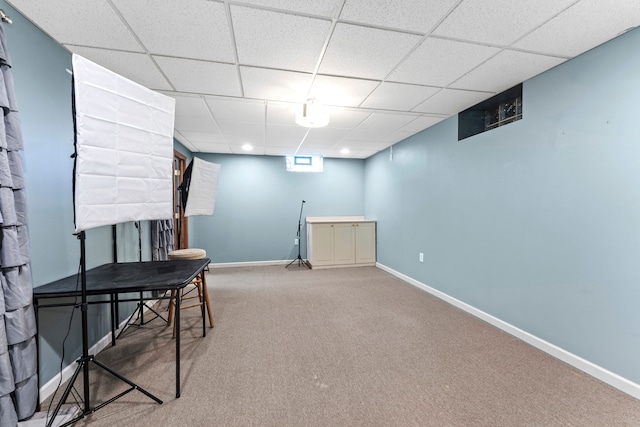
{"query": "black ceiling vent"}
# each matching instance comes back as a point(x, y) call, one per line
point(502, 109)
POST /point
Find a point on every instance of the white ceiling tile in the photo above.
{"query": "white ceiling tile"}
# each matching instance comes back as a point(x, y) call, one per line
point(282, 142)
point(328, 8)
point(411, 15)
point(340, 91)
point(584, 25)
point(190, 105)
point(189, 75)
point(505, 70)
point(311, 151)
point(285, 132)
point(380, 124)
point(95, 23)
point(365, 52)
point(281, 114)
point(134, 66)
point(244, 138)
point(347, 117)
point(439, 62)
point(278, 40)
point(196, 29)
point(499, 22)
point(209, 137)
point(451, 101)
point(212, 147)
point(237, 109)
point(236, 148)
point(320, 144)
point(275, 85)
point(322, 138)
point(236, 132)
point(196, 124)
point(229, 127)
point(398, 96)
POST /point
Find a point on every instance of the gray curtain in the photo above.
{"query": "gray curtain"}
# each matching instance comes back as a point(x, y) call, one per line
point(18, 354)
point(161, 239)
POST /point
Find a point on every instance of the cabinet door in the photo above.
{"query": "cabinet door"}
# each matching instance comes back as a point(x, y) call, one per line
point(344, 244)
point(365, 243)
point(322, 244)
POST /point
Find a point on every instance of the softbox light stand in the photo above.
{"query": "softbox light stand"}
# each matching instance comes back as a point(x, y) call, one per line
point(86, 358)
point(299, 258)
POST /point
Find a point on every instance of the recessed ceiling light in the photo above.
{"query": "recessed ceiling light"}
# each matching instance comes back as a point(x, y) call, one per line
point(247, 147)
point(344, 151)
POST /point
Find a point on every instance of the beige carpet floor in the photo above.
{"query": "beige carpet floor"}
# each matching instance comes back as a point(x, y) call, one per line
point(343, 347)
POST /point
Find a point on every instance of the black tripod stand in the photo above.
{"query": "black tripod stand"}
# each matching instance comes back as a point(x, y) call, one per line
point(83, 361)
point(299, 259)
point(142, 305)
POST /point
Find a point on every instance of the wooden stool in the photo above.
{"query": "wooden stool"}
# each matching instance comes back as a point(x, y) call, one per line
point(200, 286)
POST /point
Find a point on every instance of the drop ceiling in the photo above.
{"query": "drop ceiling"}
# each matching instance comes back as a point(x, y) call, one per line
point(239, 70)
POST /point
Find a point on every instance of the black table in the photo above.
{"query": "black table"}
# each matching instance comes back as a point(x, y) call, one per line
point(116, 278)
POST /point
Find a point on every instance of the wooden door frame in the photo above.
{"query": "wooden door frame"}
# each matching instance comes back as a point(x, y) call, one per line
point(180, 222)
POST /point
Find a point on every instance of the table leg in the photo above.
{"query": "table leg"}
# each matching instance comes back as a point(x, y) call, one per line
point(203, 304)
point(177, 320)
point(114, 320)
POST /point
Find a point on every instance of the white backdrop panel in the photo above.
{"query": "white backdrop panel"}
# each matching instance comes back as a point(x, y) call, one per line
point(124, 148)
point(202, 188)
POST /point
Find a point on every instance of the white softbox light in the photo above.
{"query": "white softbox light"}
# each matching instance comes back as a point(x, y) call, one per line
point(124, 149)
point(200, 187)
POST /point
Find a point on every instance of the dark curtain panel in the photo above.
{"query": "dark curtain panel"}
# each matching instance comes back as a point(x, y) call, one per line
point(18, 354)
point(161, 239)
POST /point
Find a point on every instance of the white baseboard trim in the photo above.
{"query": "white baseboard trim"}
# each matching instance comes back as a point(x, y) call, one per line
point(67, 372)
point(604, 375)
point(248, 264)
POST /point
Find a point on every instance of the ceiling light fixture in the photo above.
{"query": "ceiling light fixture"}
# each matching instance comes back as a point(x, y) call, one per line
point(247, 147)
point(312, 114)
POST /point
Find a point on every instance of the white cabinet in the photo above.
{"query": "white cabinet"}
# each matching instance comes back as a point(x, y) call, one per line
point(340, 242)
point(365, 243)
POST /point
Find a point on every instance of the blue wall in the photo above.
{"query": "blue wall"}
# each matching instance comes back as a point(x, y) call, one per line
point(258, 206)
point(536, 223)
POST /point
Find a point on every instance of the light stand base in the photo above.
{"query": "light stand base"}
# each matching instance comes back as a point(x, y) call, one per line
point(83, 366)
point(300, 262)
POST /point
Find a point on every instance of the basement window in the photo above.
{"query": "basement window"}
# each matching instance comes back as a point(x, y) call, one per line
point(497, 111)
point(304, 164)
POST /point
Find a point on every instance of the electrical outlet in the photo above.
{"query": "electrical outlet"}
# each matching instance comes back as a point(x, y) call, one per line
point(421, 257)
point(295, 242)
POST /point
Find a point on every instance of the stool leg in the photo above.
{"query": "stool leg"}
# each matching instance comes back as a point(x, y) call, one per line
point(172, 307)
point(205, 292)
point(202, 312)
